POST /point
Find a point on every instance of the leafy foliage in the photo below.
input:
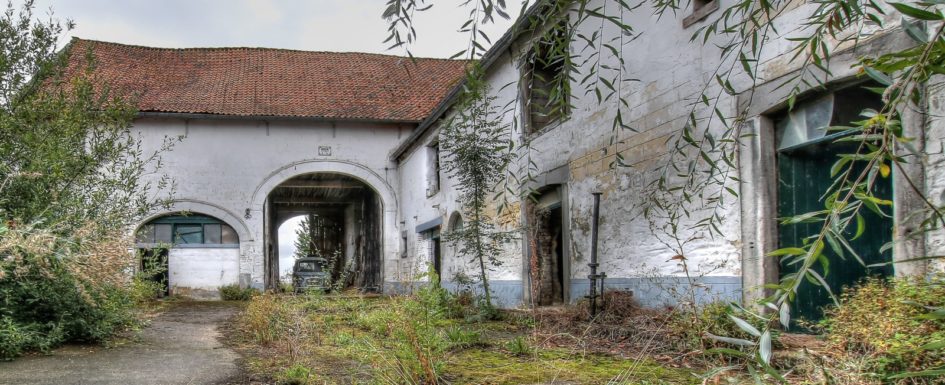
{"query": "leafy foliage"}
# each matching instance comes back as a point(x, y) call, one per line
point(236, 293)
point(477, 145)
point(73, 179)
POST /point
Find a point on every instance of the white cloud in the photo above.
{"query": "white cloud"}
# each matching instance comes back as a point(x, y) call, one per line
point(319, 25)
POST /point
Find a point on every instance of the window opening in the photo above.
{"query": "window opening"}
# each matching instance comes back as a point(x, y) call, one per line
point(186, 230)
point(547, 81)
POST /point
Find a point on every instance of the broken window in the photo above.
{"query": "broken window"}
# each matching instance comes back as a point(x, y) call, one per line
point(186, 230)
point(700, 9)
point(810, 120)
point(546, 77)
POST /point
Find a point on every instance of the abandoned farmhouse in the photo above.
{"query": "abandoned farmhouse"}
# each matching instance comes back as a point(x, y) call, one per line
point(352, 140)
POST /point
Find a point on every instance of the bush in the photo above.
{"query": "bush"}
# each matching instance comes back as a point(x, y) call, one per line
point(690, 330)
point(460, 338)
point(56, 289)
point(236, 293)
point(519, 346)
point(882, 322)
point(297, 374)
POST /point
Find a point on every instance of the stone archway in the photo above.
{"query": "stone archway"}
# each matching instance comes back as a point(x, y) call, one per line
point(261, 212)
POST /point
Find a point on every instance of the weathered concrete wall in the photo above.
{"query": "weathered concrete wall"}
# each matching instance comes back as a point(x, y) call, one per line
point(669, 72)
point(420, 207)
point(935, 165)
point(199, 272)
point(226, 169)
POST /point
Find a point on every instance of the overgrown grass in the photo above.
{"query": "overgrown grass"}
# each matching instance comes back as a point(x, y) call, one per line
point(426, 338)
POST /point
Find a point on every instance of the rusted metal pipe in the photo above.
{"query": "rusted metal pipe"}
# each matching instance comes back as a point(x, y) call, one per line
point(593, 265)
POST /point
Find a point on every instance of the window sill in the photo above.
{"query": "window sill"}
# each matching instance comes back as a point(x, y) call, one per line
point(701, 13)
point(549, 127)
point(188, 246)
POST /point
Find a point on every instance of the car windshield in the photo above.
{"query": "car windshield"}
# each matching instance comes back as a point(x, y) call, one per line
point(308, 266)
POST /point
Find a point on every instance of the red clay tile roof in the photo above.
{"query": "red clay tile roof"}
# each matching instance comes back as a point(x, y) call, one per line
point(272, 82)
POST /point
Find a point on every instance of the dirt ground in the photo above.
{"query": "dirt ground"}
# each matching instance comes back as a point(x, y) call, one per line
point(180, 346)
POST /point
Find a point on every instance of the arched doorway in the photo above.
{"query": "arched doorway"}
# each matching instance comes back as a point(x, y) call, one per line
point(345, 218)
point(190, 254)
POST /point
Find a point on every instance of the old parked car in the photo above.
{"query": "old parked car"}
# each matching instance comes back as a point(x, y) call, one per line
point(310, 274)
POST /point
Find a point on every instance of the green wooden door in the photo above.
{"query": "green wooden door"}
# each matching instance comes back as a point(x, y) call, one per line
point(803, 177)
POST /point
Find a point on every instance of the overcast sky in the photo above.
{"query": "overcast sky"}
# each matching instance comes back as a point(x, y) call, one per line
point(318, 25)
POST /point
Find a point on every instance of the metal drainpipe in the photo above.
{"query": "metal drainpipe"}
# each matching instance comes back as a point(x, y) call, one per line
point(593, 265)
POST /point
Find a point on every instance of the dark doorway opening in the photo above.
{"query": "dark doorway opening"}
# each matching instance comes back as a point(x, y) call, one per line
point(548, 263)
point(344, 217)
point(154, 266)
point(437, 256)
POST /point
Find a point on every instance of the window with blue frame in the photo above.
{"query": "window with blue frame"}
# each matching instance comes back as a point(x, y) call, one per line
point(183, 230)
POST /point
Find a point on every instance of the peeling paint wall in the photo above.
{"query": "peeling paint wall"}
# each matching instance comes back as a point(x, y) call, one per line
point(935, 166)
point(419, 207)
point(669, 72)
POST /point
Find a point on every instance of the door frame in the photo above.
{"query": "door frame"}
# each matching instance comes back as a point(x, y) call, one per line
point(757, 169)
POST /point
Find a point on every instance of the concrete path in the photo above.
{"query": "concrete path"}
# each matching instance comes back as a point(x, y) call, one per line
point(181, 346)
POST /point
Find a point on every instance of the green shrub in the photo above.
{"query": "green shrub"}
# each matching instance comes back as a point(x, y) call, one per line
point(882, 322)
point(690, 330)
point(417, 342)
point(297, 374)
point(519, 346)
point(236, 293)
point(462, 338)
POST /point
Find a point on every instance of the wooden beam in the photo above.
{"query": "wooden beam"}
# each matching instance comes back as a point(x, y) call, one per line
point(321, 184)
point(310, 201)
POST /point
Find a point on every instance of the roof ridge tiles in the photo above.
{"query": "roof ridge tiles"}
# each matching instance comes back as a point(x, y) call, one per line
point(271, 49)
point(271, 82)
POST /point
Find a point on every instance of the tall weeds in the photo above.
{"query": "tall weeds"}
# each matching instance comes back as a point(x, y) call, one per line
point(55, 288)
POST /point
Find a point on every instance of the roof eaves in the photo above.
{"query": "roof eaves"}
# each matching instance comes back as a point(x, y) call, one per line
point(204, 116)
point(489, 59)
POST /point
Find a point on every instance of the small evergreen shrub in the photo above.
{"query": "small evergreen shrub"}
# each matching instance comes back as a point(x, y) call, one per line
point(297, 374)
point(461, 338)
point(519, 346)
point(236, 293)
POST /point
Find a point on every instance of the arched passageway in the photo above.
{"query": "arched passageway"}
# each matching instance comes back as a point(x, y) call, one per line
point(344, 217)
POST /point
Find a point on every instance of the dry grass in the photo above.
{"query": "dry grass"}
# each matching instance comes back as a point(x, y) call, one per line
point(621, 327)
point(367, 340)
